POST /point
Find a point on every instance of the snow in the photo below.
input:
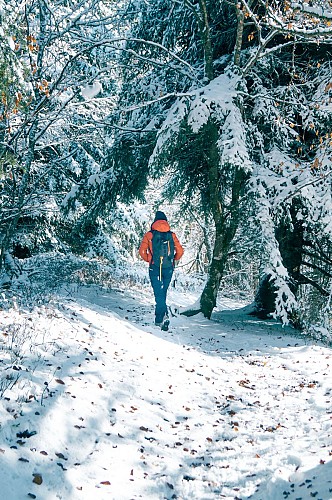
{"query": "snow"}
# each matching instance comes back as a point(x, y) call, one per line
point(108, 406)
point(11, 42)
point(323, 10)
point(91, 90)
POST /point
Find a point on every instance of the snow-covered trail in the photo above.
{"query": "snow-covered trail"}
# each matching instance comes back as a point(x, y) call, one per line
point(229, 408)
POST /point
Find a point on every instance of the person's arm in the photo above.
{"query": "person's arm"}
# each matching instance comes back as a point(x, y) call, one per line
point(144, 249)
point(177, 247)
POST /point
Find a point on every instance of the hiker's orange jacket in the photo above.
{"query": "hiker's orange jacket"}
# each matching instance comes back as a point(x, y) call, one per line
point(145, 250)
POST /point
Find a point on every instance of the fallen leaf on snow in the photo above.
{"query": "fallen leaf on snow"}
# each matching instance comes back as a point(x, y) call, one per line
point(37, 479)
point(26, 434)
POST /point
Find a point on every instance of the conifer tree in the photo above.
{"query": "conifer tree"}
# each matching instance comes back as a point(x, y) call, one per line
point(239, 126)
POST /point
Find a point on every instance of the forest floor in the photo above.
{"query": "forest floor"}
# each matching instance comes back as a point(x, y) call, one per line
point(99, 403)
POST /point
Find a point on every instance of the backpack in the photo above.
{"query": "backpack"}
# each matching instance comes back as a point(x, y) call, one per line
point(162, 249)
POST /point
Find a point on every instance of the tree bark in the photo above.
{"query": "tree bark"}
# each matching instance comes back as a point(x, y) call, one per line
point(226, 218)
point(239, 34)
point(206, 38)
point(216, 271)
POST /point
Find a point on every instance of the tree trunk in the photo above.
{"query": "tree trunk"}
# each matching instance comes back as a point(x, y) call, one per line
point(226, 218)
point(239, 34)
point(290, 235)
point(216, 271)
point(265, 298)
point(206, 38)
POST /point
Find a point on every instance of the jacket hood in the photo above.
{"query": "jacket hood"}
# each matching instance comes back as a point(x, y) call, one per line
point(161, 225)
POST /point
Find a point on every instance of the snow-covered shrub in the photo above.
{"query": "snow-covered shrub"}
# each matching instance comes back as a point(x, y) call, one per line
point(17, 341)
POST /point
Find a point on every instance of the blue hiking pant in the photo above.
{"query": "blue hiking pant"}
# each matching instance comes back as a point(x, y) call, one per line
point(160, 287)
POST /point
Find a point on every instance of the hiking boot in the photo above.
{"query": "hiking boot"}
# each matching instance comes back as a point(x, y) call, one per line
point(165, 324)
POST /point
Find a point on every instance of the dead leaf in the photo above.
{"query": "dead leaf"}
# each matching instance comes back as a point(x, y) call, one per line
point(245, 383)
point(37, 479)
point(105, 483)
point(26, 434)
point(59, 381)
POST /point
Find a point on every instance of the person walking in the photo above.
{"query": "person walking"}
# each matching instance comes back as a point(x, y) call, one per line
point(160, 247)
